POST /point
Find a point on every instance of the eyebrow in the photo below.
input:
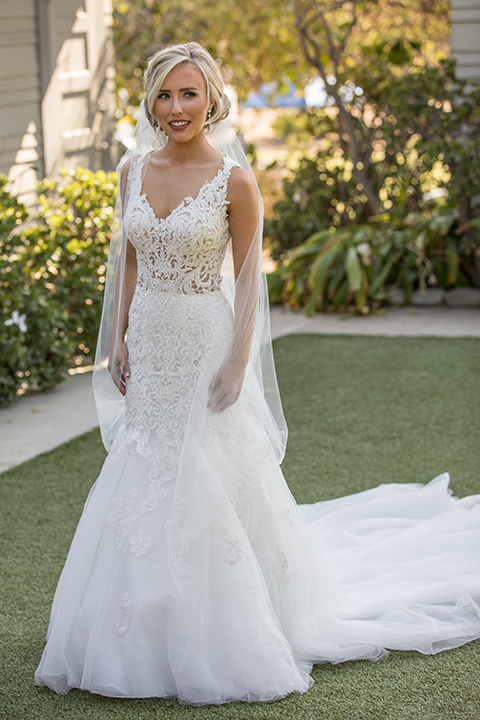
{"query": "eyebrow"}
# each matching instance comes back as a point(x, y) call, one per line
point(181, 89)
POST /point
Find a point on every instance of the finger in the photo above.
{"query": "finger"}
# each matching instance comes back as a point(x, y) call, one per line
point(216, 400)
point(220, 408)
point(223, 403)
point(118, 379)
point(230, 400)
point(213, 385)
point(119, 384)
point(213, 402)
point(215, 390)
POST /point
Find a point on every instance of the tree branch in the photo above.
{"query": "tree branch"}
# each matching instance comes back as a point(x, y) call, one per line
point(312, 51)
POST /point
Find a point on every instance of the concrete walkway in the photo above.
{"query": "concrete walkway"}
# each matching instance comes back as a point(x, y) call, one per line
point(41, 421)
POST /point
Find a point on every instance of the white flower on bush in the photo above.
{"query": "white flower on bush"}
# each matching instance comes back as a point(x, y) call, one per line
point(17, 319)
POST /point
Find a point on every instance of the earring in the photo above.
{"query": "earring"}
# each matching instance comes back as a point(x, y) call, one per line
point(209, 114)
point(158, 128)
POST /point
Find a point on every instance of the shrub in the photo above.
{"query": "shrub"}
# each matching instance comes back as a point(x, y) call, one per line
point(419, 134)
point(69, 248)
point(34, 347)
point(52, 273)
point(355, 266)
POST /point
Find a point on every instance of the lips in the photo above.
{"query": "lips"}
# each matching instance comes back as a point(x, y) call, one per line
point(179, 124)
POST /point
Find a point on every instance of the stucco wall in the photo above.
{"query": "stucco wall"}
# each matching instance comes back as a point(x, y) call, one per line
point(56, 87)
point(465, 37)
point(21, 141)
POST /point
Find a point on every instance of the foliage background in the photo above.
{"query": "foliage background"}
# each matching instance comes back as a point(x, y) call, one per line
point(52, 271)
point(384, 191)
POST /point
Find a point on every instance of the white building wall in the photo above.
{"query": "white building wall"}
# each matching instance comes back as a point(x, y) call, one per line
point(465, 37)
point(56, 88)
point(21, 141)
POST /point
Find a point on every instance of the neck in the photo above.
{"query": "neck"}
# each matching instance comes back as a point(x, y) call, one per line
point(195, 149)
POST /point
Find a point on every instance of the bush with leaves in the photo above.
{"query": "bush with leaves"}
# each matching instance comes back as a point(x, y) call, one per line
point(355, 267)
point(34, 346)
point(52, 273)
point(419, 131)
point(68, 247)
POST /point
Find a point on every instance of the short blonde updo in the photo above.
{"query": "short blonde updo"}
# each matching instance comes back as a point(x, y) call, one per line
point(191, 53)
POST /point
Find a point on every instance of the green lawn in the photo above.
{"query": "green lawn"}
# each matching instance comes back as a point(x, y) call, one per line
point(361, 411)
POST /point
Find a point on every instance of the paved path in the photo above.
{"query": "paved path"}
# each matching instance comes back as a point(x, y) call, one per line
point(41, 421)
point(392, 322)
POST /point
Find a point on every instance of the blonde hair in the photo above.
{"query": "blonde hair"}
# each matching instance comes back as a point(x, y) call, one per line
point(191, 53)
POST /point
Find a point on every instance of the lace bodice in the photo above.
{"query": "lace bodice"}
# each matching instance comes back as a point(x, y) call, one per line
point(182, 253)
point(180, 325)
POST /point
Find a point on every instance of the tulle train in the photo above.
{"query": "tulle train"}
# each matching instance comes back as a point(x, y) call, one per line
point(259, 589)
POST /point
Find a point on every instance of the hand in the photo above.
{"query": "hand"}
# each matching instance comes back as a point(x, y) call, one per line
point(119, 367)
point(226, 386)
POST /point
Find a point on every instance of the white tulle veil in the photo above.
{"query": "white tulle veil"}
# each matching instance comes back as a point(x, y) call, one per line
point(247, 295)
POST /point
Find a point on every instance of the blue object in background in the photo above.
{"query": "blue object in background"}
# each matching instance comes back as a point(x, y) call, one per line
point(268, 96)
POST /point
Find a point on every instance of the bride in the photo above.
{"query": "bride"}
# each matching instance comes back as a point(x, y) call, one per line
point(193, 573)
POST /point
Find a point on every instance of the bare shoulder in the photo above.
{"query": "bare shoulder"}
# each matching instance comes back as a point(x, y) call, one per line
point(127, 164)
point(241, 187)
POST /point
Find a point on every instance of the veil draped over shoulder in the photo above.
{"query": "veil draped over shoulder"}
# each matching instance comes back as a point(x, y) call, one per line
point(247, 295)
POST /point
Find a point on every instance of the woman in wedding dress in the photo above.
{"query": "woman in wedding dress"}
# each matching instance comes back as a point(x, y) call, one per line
point(193, 573)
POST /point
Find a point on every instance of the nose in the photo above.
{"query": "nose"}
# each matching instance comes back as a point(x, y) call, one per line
point(176, 106)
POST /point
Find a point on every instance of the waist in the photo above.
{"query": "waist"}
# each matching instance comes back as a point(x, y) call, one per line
point(186, 284)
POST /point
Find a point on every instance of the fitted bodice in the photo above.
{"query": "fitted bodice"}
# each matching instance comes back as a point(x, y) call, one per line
point(182, 253)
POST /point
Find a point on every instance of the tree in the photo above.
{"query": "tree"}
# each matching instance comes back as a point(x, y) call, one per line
point(254, 41)
point(400, 134)
point(360, 50)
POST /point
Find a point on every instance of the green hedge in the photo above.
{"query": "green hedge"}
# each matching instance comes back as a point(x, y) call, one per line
point(52, 273)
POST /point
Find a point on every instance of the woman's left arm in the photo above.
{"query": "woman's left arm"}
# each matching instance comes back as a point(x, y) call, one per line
point(246, 232)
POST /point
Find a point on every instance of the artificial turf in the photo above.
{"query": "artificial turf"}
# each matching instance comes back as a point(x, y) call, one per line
point(361, 411)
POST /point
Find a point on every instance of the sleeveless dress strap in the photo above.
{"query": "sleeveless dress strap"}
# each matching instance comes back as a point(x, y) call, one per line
point(136, 173)
point(224, 175)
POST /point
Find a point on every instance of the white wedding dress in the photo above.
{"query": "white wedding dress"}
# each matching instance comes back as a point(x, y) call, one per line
point(193, 573)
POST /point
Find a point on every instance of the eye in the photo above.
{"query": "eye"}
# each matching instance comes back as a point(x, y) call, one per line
point(190, 93)
point(163, 95)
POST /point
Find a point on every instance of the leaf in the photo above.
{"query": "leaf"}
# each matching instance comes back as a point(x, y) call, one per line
point(383, 275)
point(336, 278)
point(341, 296)
point(365, 251)
point(320, 269)
point(311, 246)
point(420, 239)
point(441, 223)
point(413, 218)
point(452, 263)
point(311, 305)
point(354, 270)
point(398, 54)
point(296, 293)
point(360, 298)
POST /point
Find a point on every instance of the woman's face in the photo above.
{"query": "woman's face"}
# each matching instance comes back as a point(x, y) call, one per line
point(181, 106)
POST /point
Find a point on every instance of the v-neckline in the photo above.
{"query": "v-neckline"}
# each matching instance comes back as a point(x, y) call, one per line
point(186, 200)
